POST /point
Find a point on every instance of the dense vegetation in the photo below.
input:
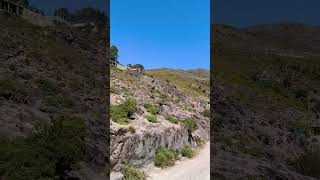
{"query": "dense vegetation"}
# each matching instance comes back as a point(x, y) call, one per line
point(49, 152)
point(131, 173)
point(187, 152)
point(165, 157)
point(122, 112)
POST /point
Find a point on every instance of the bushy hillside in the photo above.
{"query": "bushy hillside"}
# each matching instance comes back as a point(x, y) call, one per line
point(265, 100)
point(152, 116)
point(52, 101)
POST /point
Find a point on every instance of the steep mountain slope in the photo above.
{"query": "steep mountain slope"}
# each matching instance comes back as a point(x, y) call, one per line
point(265, 102)
point(52, 103)
point(157, 113)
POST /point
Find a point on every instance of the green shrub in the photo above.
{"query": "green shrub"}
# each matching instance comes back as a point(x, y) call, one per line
point(49, 86)
point(13, 90)
point(132, 130)
point(300, 127)
point(171, 119)
point(47, 153)
point(151, 118)
point(187, 152)
point(120, 113)
point(132, 173)
point(190, 123)
point(152, 109)
point(165, 157)
point(54, 103)
point(309, 163)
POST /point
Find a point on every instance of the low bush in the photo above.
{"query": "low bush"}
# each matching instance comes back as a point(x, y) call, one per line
point(47, 154)
point(151, 118)
point(53, 103)
point(299, 127)
point(190, 123)
point(171, 119)
point(309, 163)
point(132, 130)
point(187, 152)
point(49, 86)
point(14, 90)
point(131, 173)
point(154, 110)
point(165, 157)
point(122, 112)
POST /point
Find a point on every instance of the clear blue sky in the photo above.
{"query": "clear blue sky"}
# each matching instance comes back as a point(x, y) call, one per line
point(162, 33)
point(251, 12)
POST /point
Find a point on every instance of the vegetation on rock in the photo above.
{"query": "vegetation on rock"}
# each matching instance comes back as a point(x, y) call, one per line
point(165, 157)
point(152, 109)
point(151, 118)
point(122, 112)
point(187, 152)
point(171, 119)
point(131, 173)
point(50, 151)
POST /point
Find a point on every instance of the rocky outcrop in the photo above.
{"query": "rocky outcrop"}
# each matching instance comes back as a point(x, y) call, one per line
point(140, 148)
point(137, 142)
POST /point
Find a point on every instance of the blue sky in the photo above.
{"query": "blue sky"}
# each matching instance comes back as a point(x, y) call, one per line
point(251, 12)
point(162, 33)
point(48, 6)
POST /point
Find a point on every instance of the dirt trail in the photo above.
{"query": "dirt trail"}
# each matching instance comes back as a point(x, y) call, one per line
point(189, 169)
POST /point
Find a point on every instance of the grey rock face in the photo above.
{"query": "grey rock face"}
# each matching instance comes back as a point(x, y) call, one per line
point(139, 148)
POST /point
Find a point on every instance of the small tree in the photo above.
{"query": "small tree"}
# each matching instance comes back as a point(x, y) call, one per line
point(138, 66)
point(114, 53)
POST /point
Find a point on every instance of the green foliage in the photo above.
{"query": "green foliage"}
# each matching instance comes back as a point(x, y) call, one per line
point(13, 90)
point(152, 109)
point(132, 130)
point(49, 152)
point(171, 119)
point(187, 152)
point(309, 163)
point(88, 15)
point(54, 103)
point(151, 118)
point(49, 86)
point(181, 81)
point(131, 173)
point(114, 53)
point(165, 158)
point(138, 66)
point(299, 127)
point(120, 113)
point(190, 123)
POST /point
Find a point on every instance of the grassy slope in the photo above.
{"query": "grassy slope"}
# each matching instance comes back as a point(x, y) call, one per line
point(183, 79)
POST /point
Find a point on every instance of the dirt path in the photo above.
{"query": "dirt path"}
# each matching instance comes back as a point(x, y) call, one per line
point(189, 169)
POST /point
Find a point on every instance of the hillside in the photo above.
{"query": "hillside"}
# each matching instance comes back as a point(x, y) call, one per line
point(266, 101)
point(52, 107)
point(153, 110)
point(192, 82)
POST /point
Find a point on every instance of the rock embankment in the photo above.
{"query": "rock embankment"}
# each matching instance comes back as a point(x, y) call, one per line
point(138, 141)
